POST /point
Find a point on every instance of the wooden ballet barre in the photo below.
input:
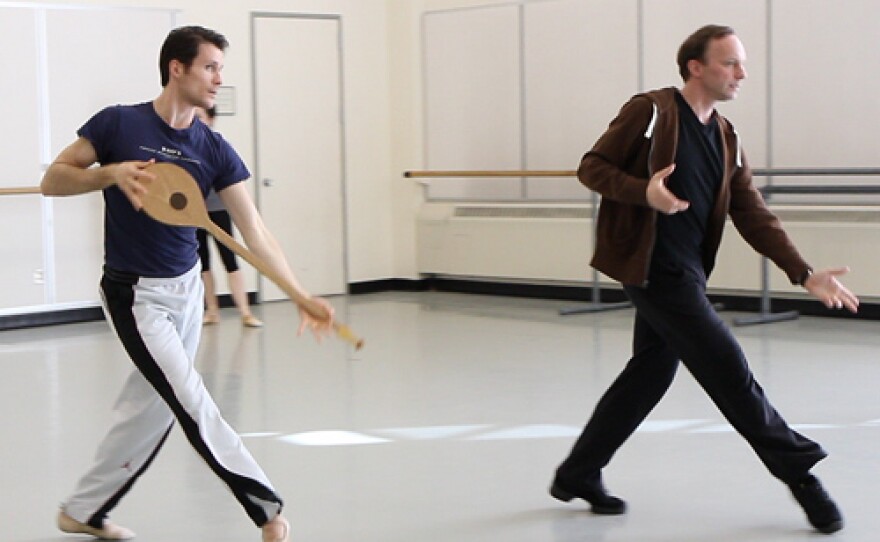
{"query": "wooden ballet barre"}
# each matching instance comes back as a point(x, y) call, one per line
point(808, 172)
point(757, 172)
point(13, 191)
point(491, 173)
point(821, 189)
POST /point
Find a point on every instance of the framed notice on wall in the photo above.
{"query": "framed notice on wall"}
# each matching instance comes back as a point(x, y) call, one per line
point(225, 101)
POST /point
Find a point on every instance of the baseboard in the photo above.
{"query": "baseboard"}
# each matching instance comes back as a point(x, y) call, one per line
point(225, 300)
point(389, 285)
point(51, 318)
point(86, 314)
point(737, 302)
point(746, 302)
point(806, 307)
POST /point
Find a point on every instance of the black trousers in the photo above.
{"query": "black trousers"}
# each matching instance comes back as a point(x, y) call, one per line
point(675, 321)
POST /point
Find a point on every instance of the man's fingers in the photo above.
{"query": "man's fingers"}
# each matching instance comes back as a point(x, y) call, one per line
point(843, 298)
point(145, 177)
point(660, 197)
point(851, 305)
point(678, 206)
point(849, 300)
point(659, 178)
point(832, 272)
point(142, 165)
point(137, 187)
point(666, 172)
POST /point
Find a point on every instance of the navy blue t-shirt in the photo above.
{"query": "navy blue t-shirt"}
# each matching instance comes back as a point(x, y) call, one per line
point(134, 242)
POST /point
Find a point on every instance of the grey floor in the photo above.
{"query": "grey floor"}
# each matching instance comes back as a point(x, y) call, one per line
point(446, 427)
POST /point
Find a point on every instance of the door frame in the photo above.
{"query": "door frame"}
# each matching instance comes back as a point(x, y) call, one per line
point(257, 174)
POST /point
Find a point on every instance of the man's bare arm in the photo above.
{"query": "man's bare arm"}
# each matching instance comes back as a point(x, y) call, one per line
point(71, 174)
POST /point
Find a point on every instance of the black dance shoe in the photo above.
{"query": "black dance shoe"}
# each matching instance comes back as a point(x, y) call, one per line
point(600, 501)
point(821, 511)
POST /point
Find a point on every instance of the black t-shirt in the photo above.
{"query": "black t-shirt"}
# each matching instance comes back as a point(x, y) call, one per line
point(699, 166)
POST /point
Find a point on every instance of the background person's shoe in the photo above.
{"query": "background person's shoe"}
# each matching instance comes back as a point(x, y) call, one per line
point(600, 501)
point(108, 531)
point(821, 511)
point(251, 321)
point(210, 318)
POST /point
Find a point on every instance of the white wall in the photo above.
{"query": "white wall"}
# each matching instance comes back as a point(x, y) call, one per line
point(369, 179)
point(370, 184)
point(551, 244)
point(385, 106)
point(54, 246)
point(790, 113)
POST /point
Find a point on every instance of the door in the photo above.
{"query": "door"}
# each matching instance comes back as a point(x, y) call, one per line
point(299, 150)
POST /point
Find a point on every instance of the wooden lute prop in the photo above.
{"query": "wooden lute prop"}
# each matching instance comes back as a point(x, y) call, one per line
point(175, 199)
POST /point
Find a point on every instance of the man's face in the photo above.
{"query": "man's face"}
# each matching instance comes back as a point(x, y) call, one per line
point(723, 68)
point(199, 82)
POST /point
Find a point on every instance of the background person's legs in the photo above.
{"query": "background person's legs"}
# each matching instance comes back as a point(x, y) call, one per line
point(235, 278)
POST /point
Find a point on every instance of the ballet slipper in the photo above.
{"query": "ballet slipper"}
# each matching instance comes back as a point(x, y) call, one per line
point(108, 531)
point(277, 530)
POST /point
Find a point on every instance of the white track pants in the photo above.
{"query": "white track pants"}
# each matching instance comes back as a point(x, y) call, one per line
point(159, 322)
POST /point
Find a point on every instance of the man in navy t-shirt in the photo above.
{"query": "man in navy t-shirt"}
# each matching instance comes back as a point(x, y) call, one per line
point(151, 288)
point(134, 242)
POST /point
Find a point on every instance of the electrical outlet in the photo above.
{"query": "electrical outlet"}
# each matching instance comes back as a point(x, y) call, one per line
point(38, 276)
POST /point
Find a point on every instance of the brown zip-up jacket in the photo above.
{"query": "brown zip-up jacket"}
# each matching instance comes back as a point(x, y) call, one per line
point(642, 139)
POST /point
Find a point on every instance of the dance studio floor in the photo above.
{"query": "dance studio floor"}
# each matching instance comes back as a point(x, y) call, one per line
point(445, 428)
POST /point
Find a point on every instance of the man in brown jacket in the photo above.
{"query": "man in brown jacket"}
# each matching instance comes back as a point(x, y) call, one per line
point(670, 170)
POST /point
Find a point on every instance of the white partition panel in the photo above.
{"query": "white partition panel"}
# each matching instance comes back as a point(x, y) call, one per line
point(19, 98)
point(473, 99)
point(96, 58)
point(64, 64)
point(99, 58)
point(666, 25)
point(581, 64)
point(79, 247)
point(825, 106)
point(22, 271)
point(20, 215)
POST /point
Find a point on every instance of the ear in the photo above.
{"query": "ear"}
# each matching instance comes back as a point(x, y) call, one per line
point(695, 67)
point(176, 68)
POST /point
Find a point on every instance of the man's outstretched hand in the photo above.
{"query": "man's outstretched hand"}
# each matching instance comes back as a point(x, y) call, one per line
point(825, 287)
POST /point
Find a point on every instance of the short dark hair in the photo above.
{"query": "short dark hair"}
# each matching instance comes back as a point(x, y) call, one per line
point(182, 44)
point(694, 47)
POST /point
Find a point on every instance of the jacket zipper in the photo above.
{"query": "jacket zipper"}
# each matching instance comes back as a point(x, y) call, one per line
point(649, 133)
point(653, 212)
